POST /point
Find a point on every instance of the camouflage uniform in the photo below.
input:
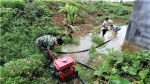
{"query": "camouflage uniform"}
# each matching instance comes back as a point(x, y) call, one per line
point(45, 43)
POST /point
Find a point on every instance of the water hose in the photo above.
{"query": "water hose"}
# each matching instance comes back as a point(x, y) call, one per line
point(85, 65)
point(85, 49)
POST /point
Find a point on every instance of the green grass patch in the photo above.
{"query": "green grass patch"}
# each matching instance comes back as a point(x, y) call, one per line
point(97, 39)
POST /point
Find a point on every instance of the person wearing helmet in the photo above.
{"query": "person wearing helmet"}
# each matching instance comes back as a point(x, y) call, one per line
point(46, 44)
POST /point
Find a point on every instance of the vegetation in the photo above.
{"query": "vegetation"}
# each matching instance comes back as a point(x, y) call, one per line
point(123, 67)
point(70, 13)
point(97, 39)
point(22, 21)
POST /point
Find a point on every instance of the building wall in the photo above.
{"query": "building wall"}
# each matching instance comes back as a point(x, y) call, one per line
point(138, 32)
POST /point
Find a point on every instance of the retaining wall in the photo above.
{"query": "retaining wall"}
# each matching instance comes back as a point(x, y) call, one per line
point(138, 32)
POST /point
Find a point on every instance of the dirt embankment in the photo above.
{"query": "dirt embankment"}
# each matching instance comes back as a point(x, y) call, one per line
point(83, 28)
point(83, 24)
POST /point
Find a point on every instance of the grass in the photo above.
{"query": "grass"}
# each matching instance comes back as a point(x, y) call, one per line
point(23, 46)
point(97, 39)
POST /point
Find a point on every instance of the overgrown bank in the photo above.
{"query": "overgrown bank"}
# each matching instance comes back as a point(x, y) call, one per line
point(88, 16)
point(22, 21)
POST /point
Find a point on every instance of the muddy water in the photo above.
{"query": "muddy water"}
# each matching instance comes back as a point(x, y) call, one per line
point(116, 43)
point(86, 43)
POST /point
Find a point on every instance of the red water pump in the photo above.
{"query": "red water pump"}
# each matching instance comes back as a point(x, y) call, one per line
point(63, 69)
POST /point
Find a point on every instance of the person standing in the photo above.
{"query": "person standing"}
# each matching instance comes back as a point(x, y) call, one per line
point(46, 44)
point(105, 26)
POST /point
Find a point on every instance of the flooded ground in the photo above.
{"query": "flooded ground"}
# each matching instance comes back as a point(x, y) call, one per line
point(116, 43)
point(86, 43)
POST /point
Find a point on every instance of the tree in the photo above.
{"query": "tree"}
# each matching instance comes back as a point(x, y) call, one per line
point(70, 13)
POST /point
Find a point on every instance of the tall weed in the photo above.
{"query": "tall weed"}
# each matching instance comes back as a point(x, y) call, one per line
point(97, 39)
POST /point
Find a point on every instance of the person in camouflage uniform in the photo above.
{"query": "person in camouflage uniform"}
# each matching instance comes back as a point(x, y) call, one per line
point(46, 45)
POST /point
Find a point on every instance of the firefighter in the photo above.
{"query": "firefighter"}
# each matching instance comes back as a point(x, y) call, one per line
point(46, 45)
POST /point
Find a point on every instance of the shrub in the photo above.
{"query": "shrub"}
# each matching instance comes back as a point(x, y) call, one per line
point(22, 71)
point(92, 49)
point(70, 13)
point(5, 19)
point(75, 41)
point(128, 4)
point(15, 46)
point(13, 4)
point(33, 10)
point(66, 39)
point(20, 28)
point(97, 39)
point(125, 66)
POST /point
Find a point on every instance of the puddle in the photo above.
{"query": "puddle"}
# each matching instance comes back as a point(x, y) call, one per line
point(116, 43)
point(86, 43)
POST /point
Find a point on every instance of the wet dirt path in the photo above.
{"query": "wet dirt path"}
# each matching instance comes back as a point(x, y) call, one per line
point(86, 43)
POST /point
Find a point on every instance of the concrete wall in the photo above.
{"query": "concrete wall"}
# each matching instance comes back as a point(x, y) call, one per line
point(138, 32)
